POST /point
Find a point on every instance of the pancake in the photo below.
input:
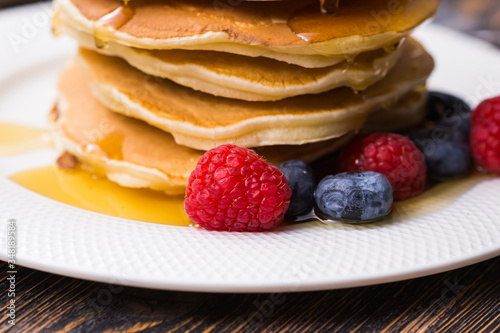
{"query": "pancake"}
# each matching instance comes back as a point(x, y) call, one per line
point(296, 32)
point(203, 121)
point(135, 154)
point(252, 79)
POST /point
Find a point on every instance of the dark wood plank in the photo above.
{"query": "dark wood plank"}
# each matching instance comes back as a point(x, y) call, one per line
point(463, 300)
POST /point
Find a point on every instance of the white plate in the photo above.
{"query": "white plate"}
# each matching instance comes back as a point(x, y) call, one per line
point(453, 226)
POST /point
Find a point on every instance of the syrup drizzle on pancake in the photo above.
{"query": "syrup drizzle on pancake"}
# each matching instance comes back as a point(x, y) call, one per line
point(114, 20)
point(361, 18)
point(393, 47)
point(122, 14)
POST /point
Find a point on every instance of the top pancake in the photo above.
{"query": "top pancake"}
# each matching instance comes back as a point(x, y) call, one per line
point(293, 32)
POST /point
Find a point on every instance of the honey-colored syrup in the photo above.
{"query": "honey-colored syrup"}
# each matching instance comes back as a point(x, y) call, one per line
point(114, 21)
point(111, 145)
point(17, 139)
point(79, 188)
point(82, 189)
point(354, 18)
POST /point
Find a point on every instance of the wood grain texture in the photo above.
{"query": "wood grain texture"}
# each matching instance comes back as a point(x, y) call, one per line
point(464, 300)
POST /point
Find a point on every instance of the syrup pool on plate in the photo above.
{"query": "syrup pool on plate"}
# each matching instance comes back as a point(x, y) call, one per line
point(17, 139)
point(79, 188)
point(82, 189)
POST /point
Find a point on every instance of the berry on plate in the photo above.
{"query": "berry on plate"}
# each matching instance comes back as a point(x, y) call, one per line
point(300, 178)
point(449, 111)
point(485, 135)
point(234, 189)
point(357, 196)
point(392, 155)
point(446, 152)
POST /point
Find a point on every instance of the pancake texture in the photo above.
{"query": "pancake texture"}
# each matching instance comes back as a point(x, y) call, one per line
point(135, 154)
point(246, 78)
point(156, 83)
point(203, 121)
point(296, 32)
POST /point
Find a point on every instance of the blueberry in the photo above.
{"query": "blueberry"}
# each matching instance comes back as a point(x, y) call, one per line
point(449, 111)
point(446, 152)
point(300, 178)
point(354, 196)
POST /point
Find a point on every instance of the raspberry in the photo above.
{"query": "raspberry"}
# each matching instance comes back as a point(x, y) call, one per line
point(485, 135)
point(392, 155)
point(234, 189)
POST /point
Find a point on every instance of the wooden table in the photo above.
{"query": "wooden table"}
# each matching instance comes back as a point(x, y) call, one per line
point(464, 300)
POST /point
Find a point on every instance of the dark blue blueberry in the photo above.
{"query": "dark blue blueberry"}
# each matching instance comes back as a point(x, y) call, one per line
point(300, 178)
point(446, 152)
point(449, 111)
point(355, 196)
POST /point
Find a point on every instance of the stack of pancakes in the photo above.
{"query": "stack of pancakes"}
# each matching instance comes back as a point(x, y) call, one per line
point(158, 82)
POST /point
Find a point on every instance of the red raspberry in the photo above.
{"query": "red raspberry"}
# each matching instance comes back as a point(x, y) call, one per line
point(485, 135)
point(232, 188)
point(392, 155)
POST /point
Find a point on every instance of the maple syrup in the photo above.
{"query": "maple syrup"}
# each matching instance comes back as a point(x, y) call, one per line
point(79, 188)
point(17, 139)
point(394, 46)
point(355, 18)
point(111, 144)
point(111, 21)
